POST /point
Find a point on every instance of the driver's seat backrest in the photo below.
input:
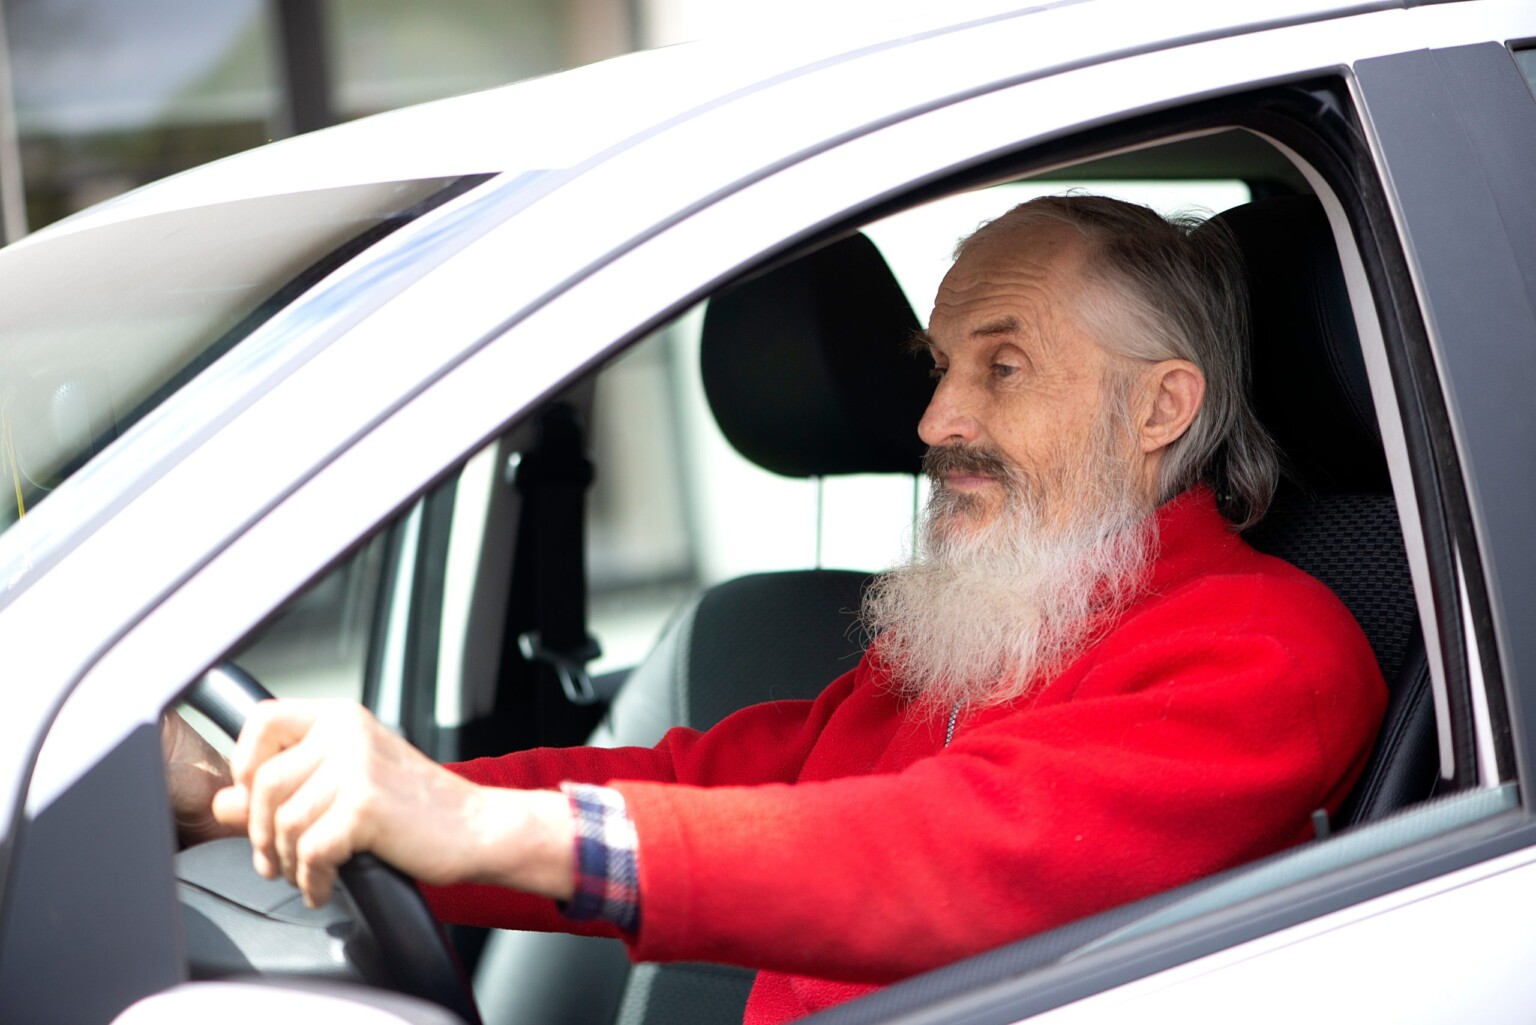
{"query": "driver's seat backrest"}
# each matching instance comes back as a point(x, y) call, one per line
point(1334, 515)
point(808, 373)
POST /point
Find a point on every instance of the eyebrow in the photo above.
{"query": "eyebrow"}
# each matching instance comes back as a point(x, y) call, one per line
point(1007, 325)
point(920, 342)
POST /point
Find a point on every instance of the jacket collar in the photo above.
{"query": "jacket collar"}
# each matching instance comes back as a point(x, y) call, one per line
point(1191, 537)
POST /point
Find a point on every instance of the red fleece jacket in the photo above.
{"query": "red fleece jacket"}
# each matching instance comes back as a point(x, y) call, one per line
point(837, 845)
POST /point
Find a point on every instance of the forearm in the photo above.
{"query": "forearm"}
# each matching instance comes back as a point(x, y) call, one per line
point(589, 863)
point(765, 743)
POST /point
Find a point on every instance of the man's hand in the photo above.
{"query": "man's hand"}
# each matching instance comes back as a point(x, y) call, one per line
point(317, 782)
point(194, 772)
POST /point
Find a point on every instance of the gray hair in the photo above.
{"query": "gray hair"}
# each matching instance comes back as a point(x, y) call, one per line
point(1168, 291)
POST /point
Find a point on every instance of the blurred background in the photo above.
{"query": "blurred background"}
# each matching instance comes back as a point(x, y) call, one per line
point(98, 96)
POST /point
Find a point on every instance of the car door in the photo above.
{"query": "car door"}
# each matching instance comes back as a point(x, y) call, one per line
point(1005, 130)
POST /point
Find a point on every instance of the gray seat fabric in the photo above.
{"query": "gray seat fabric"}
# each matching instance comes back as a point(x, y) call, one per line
point(1352, 543)
point(765, 637)
point(697, 994)
point(531, 978)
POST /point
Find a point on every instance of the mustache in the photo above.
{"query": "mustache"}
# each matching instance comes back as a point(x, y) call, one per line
point(978, 460)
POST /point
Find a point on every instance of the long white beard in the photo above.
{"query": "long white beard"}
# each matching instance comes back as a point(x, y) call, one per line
point(985, 615)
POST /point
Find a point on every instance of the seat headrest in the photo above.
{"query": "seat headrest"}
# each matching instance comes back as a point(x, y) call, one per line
point(807, 369)
point(1310, 386)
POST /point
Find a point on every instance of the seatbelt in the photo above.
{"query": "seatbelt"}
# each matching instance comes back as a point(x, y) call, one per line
point(553, 479)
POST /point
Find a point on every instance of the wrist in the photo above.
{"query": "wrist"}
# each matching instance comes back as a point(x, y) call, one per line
point(525, 840)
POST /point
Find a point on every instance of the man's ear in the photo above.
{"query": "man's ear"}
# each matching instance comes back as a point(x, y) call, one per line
point(1175, 388)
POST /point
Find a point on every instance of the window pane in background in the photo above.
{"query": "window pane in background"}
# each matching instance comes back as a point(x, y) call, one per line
point(111, 95)
point(1527, 61)
point(389, 53)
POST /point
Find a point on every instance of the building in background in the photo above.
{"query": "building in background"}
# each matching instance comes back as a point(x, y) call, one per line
point(99, 96)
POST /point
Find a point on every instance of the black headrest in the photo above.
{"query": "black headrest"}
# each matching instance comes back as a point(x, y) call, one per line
point(1310, 385)
point(807, 369)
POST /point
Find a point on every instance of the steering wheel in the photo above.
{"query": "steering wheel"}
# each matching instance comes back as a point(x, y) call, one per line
point(402, 947)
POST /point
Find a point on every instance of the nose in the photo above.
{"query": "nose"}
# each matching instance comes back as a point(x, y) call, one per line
point(947, 420)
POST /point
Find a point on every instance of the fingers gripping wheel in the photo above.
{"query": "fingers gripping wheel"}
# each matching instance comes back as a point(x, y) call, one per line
point(402, 947)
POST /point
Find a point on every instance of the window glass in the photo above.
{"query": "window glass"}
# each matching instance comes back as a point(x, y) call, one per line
point(319, 645)
point(642, 550)
point(919, 243)
point(111, 95)
point(87, 348)
point(1527, 61)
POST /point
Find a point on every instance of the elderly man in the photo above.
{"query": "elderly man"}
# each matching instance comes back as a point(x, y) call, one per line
point(1085, 686)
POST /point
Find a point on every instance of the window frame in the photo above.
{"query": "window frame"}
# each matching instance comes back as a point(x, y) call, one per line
point(1469, 173)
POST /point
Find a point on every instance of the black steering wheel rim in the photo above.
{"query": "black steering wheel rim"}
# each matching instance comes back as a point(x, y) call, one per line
point(411, 950)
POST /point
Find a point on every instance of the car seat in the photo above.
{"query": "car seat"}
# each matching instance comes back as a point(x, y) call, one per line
point(808, 374)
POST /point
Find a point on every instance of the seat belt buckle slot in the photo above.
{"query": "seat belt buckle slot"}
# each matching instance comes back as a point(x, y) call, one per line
point(570, 669)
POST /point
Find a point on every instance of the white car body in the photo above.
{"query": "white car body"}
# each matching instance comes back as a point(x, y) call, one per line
point(623, 192)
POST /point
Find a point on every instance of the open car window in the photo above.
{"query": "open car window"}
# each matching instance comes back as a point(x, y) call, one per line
point(674, 508)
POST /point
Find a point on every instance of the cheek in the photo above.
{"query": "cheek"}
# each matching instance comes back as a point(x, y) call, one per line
point(1042, 434)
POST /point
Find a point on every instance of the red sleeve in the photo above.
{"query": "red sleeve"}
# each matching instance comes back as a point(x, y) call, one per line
point(1184, 752)
point(765, 743)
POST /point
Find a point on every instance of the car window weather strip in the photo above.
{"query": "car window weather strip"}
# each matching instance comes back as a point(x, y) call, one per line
point(1482, 718)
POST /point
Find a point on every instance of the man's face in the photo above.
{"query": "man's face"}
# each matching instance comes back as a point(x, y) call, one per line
point(1018, 378)
point(1037, 519)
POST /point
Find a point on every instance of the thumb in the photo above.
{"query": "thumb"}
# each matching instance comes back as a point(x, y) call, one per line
point(232, 806)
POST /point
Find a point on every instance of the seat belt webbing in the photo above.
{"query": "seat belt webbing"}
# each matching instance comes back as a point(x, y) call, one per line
point(553, 480)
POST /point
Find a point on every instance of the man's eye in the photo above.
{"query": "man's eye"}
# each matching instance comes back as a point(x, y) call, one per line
point(1004, 370)
point(937, 373)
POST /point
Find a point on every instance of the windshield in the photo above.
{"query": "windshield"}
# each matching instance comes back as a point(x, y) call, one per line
point(99, 326)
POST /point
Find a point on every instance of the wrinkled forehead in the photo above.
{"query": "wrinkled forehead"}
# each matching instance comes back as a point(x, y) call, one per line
point(1032, 274)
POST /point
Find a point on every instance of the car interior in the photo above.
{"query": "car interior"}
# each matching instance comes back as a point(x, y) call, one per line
point(803, 365)
point(779, 635)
